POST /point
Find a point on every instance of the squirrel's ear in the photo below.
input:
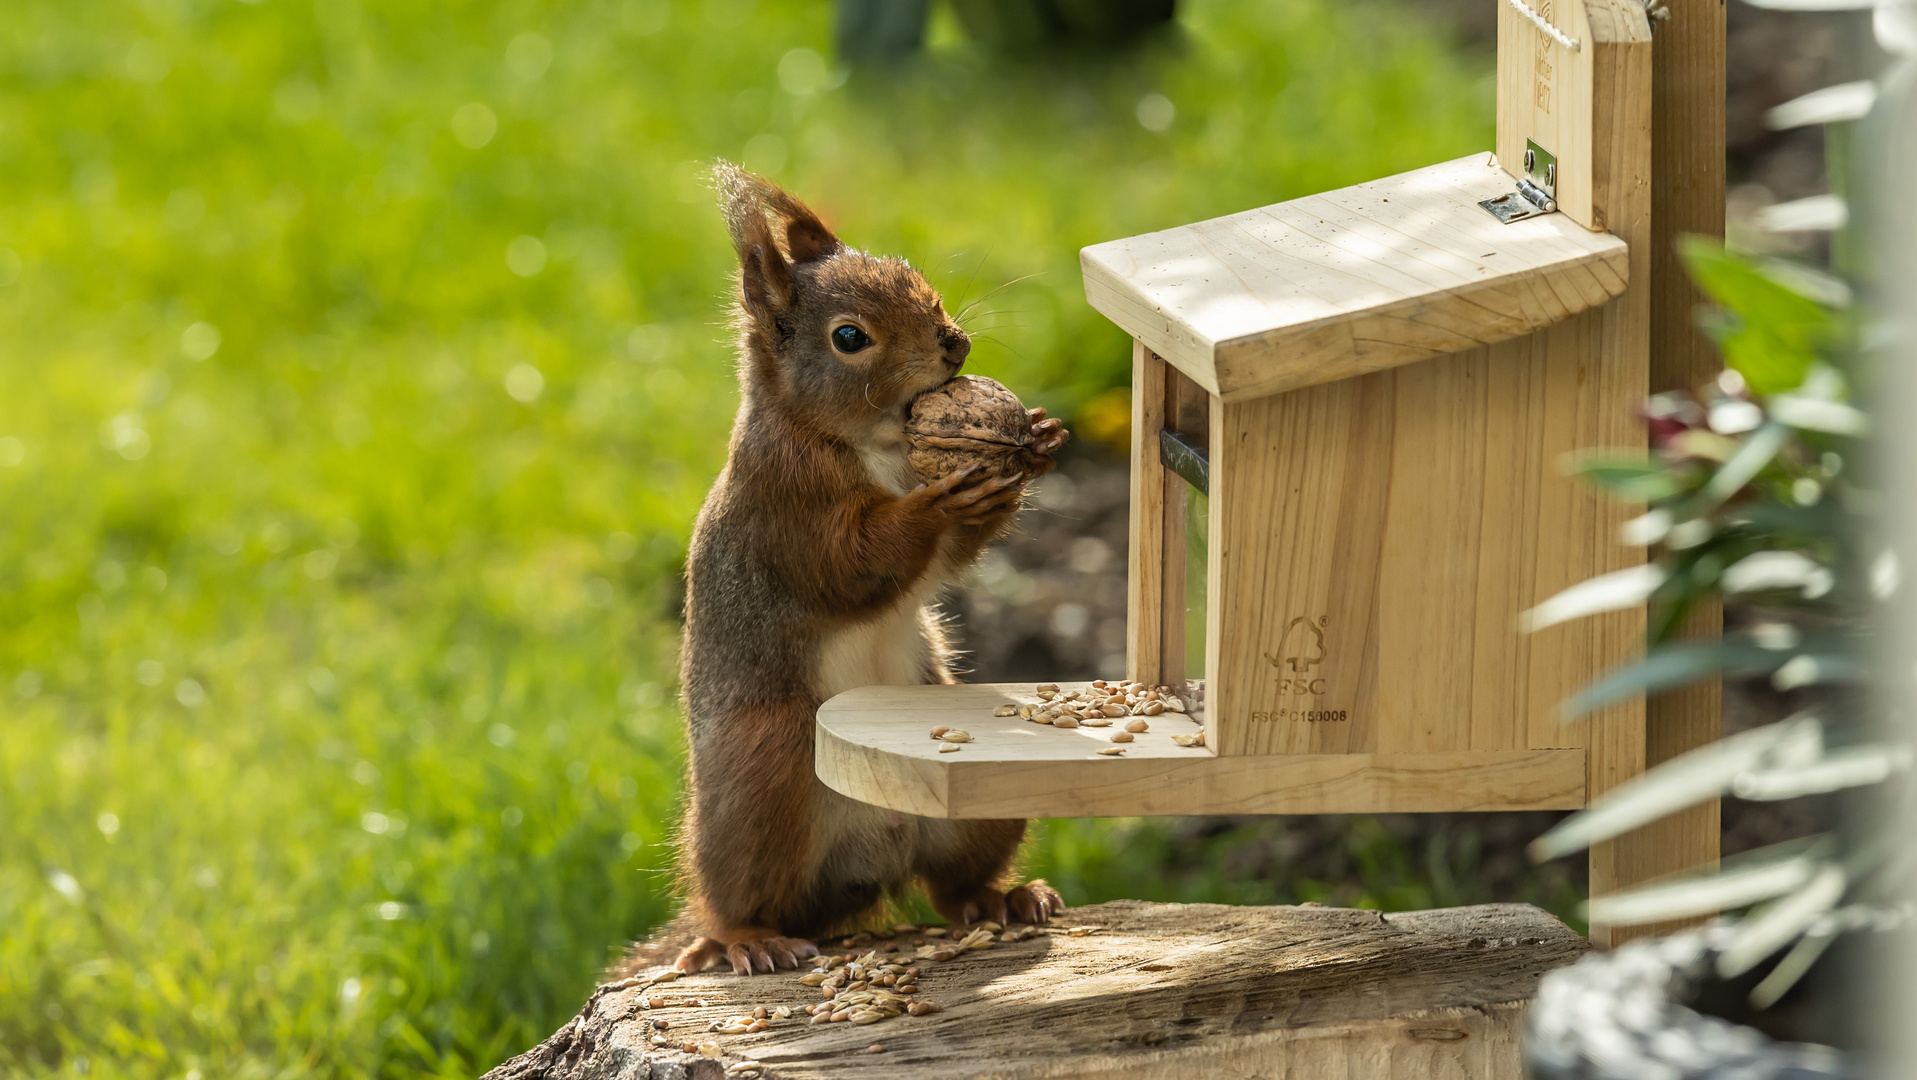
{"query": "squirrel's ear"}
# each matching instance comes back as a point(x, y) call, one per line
point(806, 237)
point(765, 278)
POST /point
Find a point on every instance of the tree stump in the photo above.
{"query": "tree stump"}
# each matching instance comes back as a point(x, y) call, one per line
point(1149, 990)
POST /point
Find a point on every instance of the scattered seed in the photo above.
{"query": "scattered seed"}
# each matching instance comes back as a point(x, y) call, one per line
point(949, 748)
point(1114, 711)
point(875, 1048)
point(1137, 725)
point(709, 1049)
point(655, 1003)
point(1100, 722)
point(1173, 704)
point(923, 1008)
point(1066, 722)
point(936, 931)
point(662, 1025)
point(814, 979)
point(945, 953)
point(1044, 686)
point(1005, 710)
point(1112, 751)
point(783, 1012)
point(939, 731)
point(1121, 736)
point(956, 735)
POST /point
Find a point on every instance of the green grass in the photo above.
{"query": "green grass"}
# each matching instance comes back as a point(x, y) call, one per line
point(336, 723)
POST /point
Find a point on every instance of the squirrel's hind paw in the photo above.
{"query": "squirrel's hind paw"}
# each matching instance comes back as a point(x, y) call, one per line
point(748, 951)
point(1034, 902)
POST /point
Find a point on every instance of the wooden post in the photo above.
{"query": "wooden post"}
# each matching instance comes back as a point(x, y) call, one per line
point(1687, 164)
point(1603, 146)
point(1154, 578)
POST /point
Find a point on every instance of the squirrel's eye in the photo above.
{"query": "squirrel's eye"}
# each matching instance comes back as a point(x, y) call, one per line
point(849, 339)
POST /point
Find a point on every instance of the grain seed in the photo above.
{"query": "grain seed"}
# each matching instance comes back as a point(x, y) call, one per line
point(1084, 931)
point(1066, 722)
point(936, 931)
point(922, 1008)
point(949, 748)
point(939, 732)
point(1005, 710)
point(868, 1016)
point(956, 735)
point(1136, 725)
point(1112, 751)
point(710, 1049)
point(662, 1024)
point(1173, 704)
point(945, 953)
point(759, 1013)
point(1025, 711)
point(1151, 708)
point(1100, 722)
point(1121, 736)
point(1114, 710)
point(783, 1012)
point(814, 979)
point(875, 1048)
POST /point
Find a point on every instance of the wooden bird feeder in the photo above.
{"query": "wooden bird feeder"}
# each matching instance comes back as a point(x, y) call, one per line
point(1359, 401)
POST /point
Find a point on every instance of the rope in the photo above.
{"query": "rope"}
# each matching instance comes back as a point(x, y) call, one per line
point(1557, 35)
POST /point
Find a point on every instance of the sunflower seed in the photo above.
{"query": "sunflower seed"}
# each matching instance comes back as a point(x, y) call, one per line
point(1115, 710)
point(1136, 725)
point(1151, 708)
point(956, 735)
point(939, 732)
point(1173, 704)
point(1121, 736)
point(1005, 710)
point(1066, 722)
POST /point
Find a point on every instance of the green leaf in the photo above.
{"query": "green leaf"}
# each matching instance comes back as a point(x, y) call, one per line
point(1686, 662)
point(1776, 332)
point(1631, 477)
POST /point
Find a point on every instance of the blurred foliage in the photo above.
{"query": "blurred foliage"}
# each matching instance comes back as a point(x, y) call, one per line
point(360, 373)
point(1757, 490)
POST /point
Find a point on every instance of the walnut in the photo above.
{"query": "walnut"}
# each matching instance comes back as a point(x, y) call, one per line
point(970, 419)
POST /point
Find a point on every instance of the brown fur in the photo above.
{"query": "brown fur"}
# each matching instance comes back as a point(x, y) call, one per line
point(810, 566)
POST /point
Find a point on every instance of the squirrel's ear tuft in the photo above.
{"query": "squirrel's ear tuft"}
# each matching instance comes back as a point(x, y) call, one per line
point(748, 199)
point(765, 278)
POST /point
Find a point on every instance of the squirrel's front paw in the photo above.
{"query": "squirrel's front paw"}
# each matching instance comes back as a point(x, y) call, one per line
point(747, 949)
point(1048, 436)
point(967, 496)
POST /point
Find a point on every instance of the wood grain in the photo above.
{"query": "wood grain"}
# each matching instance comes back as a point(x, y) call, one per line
point(873, 744)
point(1203, 991)
point(1351, 281)
point(1155, 556)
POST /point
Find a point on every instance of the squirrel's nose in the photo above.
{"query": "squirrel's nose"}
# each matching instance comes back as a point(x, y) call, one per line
point(957, 347)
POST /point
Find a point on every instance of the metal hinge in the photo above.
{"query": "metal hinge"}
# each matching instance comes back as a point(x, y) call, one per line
point(1537, 189)
point(1186, 458)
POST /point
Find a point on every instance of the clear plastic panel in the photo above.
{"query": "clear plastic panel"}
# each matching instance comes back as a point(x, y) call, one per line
point(1197, 550)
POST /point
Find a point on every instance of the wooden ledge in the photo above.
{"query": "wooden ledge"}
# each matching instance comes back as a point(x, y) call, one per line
point(873, 744)
point(1350, 281)
point(1160, 990)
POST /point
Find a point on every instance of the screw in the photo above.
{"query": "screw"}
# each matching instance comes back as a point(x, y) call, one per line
point(1551, 174)
point(1530, 159)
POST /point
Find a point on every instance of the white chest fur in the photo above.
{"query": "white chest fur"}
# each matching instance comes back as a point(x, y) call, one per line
point(890, 649)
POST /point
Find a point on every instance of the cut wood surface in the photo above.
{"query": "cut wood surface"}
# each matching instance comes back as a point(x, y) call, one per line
point(874, 744)
point(1156, 990)
point(1350, 281)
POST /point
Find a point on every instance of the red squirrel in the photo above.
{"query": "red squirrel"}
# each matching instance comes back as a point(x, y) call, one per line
point(812, 570)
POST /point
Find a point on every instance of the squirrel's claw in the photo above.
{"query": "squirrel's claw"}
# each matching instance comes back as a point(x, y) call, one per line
point(748, 952)
point(1034, 902)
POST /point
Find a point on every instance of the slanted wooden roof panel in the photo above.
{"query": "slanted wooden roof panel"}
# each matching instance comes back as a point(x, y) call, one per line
point(1350, 281)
